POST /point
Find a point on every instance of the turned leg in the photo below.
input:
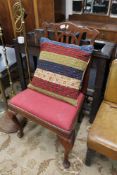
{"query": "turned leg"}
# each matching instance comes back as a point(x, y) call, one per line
point(68, 145)
point(12, 116)
point(89, 156)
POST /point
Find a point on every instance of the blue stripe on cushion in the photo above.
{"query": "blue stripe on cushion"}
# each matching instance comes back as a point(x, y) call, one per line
point(87, 48)
point(60, 69)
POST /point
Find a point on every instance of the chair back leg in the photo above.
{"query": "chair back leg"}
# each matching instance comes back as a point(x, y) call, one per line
point(17, 123)
point(89, 156)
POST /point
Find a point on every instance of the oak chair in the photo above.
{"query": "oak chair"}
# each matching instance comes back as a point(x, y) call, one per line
point(54, 114)
point(102, 136)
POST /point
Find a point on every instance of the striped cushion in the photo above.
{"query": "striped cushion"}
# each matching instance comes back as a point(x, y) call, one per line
point(60, 69)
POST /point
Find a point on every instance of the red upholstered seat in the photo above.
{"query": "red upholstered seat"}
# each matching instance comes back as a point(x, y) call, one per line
point(46, 108)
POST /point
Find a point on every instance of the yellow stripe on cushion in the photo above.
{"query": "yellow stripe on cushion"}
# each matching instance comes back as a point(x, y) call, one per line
point(66, 99)
point(64, 60)
point(57, 78)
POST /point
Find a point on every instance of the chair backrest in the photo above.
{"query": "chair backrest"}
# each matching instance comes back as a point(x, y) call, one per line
point(68, 32)
point(111, 87)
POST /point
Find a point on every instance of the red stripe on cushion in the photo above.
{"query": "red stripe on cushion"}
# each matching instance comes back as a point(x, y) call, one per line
point(61, 90)
point(79, 54)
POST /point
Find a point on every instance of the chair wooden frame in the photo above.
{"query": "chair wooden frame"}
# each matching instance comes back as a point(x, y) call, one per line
point(66, 138)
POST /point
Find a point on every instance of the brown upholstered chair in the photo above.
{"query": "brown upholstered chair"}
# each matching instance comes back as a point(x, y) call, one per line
point(102, 136)
point(54, 114)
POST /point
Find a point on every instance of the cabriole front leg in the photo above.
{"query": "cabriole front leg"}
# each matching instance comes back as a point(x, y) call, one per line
point(67, 143)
